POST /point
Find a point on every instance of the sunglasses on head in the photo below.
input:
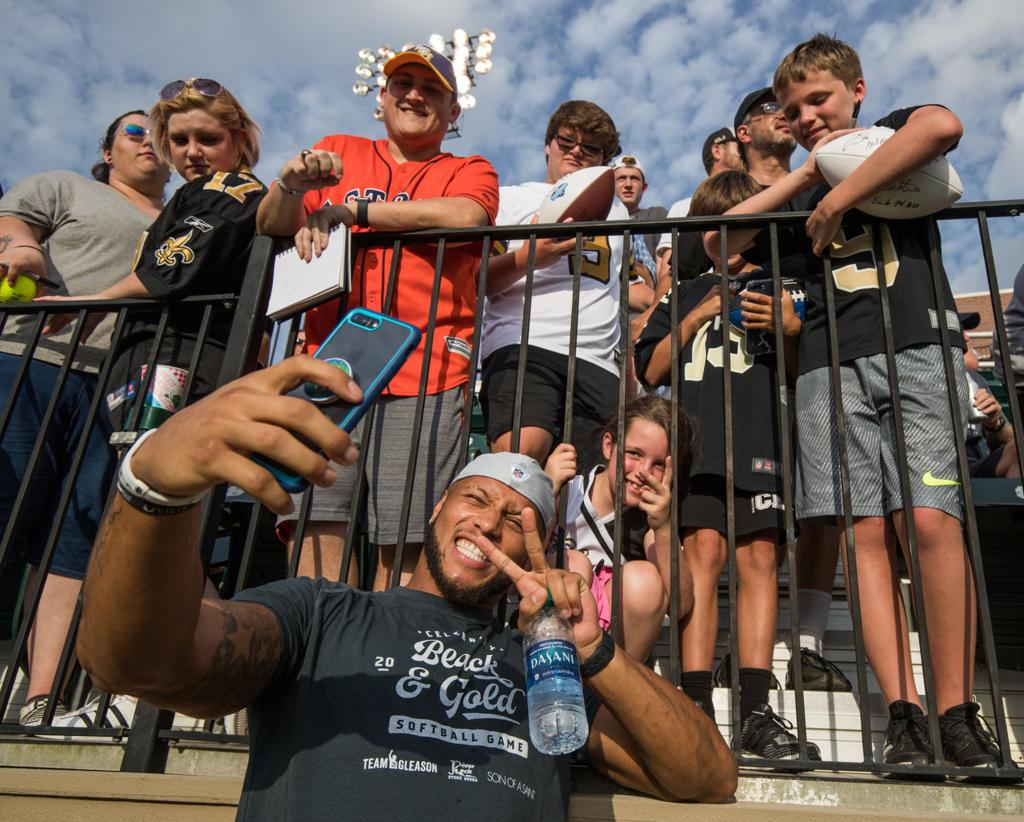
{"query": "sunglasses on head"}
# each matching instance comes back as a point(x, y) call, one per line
point(135, 133)
point(208, 88)
point(567, 144)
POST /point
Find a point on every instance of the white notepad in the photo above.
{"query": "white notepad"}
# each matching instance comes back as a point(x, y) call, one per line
point(299, 285)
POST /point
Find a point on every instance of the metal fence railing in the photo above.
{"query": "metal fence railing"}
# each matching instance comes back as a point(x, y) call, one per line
point(151, 731)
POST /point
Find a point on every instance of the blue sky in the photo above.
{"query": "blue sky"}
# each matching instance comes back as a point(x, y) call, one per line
point(668, 73)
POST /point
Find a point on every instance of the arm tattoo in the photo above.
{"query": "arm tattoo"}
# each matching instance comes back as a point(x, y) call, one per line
point(5, 242)
point(243, 661)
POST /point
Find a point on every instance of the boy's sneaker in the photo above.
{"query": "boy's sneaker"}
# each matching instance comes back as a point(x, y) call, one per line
point(967, 741)
point(119, 714)
point(818, 673)
point(906, 736)
point(768, 736)
point(32, 711)
point(723, 675)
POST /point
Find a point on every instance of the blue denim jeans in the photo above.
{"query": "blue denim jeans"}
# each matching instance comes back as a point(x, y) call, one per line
point(62, 438)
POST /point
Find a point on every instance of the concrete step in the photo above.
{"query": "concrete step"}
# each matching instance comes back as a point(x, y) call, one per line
point(39, 795)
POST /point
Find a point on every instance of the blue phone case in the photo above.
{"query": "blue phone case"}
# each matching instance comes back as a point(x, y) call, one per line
point(371, 348)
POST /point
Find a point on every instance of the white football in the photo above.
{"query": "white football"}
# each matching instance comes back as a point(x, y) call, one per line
point(586, 194)
point(931, 188)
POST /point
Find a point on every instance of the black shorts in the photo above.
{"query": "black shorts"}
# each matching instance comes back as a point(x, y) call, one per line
point(595, 398)
point(985, 466)
point(704, 507)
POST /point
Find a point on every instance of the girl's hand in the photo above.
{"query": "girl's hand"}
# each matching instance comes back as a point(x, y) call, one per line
point(656, 498)
point(561, 466)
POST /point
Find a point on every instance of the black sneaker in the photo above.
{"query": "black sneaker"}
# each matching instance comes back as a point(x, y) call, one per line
point(967, 741)
point(818, 673)
point(768, 736)
point(906, 736)
point(723, 675)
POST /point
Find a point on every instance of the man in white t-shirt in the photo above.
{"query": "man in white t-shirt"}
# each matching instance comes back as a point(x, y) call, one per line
point(579, 135)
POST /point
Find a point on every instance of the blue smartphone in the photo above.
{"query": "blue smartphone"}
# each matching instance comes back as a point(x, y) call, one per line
point(370, 348)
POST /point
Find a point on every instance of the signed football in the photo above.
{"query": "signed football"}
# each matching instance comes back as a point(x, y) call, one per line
point(931, 188)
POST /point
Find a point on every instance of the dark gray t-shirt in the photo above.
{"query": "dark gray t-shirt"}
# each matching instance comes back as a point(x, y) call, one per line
point(395, 705)
point(91, 233)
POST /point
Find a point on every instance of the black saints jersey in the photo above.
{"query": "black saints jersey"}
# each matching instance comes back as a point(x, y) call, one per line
point(902, 249)
point(756, 420)
point(198, 245)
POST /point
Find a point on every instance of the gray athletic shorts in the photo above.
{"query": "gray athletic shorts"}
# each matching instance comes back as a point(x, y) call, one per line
point(387, 463)
point(871, 440)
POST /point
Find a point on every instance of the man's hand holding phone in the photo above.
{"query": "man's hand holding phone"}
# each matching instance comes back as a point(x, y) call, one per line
point(212, 441)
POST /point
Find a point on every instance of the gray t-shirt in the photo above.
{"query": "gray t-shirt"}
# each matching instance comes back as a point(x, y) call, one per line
point(90, 236)
point(390, 706)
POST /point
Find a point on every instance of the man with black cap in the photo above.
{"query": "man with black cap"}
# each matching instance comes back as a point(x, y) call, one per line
point(764, 138)
point(404, 704)
point(399, 183)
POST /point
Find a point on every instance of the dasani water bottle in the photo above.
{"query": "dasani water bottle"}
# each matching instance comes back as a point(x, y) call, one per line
point(554, 693)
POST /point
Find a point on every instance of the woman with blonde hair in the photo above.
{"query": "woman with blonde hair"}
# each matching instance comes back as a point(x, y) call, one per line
point(198, 245)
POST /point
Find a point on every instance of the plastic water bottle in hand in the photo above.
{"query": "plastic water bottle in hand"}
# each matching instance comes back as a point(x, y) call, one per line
point(554, 693)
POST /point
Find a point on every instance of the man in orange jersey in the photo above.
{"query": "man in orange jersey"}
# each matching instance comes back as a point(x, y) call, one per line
point(403, 182)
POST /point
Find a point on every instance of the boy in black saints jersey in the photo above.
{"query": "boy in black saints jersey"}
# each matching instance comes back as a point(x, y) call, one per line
point(756, 469)
point(820, 87)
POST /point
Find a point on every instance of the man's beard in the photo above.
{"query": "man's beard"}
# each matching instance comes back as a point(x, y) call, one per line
point(482, 595)
point(773, 143)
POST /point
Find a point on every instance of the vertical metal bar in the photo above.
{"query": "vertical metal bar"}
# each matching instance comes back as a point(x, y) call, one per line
point(146, 379)
point(414, 445)
point(360, 488)
point(730, 490)
point(970, 520)
point(193, 363)
point(474, 354)
point(849, 548)
point(908, 503)
point(299, 534)
point(620, 442)
point(570, 389)
point(249, 549)
point(674, 660)
point(524, 341)
point(787, 485)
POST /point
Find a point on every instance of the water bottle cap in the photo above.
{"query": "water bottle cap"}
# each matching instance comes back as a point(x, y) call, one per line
point(549, 602)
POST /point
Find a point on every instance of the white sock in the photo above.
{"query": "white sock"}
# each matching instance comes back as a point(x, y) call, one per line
point(813, 605)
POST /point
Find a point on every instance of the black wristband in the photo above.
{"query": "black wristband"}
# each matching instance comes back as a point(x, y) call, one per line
point(599, 660)
point(362, 212)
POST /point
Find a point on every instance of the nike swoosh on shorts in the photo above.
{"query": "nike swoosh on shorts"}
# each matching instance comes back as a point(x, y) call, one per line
point(932, 481)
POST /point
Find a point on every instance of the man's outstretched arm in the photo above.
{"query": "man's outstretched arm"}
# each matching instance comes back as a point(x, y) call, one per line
point(649, 736)
point(148, 628)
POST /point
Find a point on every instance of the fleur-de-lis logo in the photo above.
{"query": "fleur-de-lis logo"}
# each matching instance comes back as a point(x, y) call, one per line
point(174, 249)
